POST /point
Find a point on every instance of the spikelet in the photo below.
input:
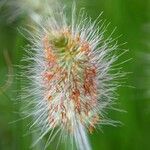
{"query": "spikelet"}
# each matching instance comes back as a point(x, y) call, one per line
point(70, 81)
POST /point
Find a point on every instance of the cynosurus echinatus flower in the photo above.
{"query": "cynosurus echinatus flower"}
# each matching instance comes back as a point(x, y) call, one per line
point(70, 77)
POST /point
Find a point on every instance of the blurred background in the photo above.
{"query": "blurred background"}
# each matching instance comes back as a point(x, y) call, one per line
point(132, 19)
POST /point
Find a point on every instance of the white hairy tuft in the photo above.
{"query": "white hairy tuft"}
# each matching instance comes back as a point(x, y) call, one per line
point(71, 76)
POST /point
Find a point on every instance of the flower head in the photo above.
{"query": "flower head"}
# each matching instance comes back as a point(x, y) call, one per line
point(69, 79)
point(70, 75)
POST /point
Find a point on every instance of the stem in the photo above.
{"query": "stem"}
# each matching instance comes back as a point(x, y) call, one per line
point(81, 137)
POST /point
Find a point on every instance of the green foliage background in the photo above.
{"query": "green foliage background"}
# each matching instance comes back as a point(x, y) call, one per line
point(132, 19)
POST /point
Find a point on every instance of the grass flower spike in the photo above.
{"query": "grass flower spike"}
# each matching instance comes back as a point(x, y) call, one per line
point(70, 77)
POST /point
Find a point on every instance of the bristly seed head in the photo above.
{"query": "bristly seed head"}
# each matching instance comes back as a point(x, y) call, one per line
point(71, 68)
point(69, 64)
